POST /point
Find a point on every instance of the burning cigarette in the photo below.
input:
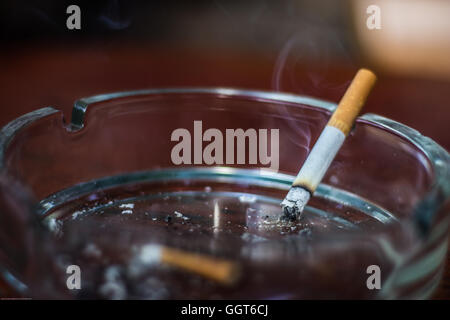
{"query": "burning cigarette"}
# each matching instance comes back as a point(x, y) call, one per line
point(328, 144)
point(219, 270)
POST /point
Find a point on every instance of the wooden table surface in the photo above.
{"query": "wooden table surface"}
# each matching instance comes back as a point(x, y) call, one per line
point(34, 77)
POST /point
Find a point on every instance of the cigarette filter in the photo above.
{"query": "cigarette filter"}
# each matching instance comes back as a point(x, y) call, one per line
point(219, 270)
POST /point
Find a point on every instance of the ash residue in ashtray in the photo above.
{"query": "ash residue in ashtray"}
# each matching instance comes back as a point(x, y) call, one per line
point(243, 230)
point(271, 225)
point(175, 216)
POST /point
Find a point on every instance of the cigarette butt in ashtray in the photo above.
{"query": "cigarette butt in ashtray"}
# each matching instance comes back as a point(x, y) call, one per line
point(219, 270)
point(328, 144)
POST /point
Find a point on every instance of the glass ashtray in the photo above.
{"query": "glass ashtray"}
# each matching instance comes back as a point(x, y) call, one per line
point(149, 195)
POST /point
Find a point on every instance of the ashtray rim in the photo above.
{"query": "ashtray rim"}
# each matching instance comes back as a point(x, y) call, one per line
point(437, 156)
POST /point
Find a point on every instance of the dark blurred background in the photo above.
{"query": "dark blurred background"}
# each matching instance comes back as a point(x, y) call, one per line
point(305, 47)
point(309, 47)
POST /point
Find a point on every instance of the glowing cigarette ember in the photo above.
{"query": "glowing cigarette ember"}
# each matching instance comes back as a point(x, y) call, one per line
point(328, 145)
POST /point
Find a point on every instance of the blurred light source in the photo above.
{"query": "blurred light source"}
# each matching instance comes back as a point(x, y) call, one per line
point(414, 38)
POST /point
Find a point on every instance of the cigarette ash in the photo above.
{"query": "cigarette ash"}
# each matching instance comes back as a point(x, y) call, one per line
point(127, 205)
point(294, 203)
point(265, 225)
point(180, 215)
point(274, 223)
point(151, 288)
point(113, 287)
point(135, 279)
point(144, 258)
point(174, 217)
point(128, 208)
point(92, 251)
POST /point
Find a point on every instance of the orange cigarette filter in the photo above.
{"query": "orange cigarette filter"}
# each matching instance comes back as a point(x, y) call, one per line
point(219, 270)
point(353, 100)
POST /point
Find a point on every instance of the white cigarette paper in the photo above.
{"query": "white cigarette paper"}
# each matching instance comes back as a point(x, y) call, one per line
point(320, 158)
